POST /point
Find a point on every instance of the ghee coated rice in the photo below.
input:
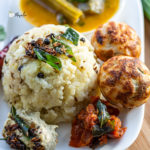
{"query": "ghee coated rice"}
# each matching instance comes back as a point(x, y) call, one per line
point(59, 95)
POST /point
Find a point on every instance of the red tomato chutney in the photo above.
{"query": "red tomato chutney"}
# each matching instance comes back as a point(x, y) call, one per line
point(95, 124)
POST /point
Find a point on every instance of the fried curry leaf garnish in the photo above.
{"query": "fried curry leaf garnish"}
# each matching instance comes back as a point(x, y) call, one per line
point(49, 59)
point(97, 131)
point(2, 33)
point(103, 115)
point(24, 127)
point(105, 124)
point(71, 35)
point(69, 52)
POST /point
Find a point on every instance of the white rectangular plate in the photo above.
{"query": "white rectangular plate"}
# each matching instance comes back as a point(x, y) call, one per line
point(130, 12)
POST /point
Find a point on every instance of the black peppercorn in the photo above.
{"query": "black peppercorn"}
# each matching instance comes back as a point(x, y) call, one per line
point(6, 61)
point(28, 53)
point(20, 67)
point(35, 56)
point(46, 41)
point(52, 35)
point(33, 43)
point(82, 39)
point(40, 75)
point(100, 39)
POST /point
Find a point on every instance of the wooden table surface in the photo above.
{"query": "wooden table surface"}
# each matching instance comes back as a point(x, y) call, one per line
point(143, 140)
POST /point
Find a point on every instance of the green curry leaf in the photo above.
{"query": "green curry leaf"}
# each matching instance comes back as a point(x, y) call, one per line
point(69, 51)
point(24, 127)
point(146, 7)
point(71, 35)
point(97, 131)
point(49, 59)
point(3, 139)
point(103, 115)
point(2, 33)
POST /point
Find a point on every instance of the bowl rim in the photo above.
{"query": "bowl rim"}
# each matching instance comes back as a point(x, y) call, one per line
point(114, 17)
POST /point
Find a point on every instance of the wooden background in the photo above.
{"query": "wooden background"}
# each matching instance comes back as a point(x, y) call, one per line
point(143, 140)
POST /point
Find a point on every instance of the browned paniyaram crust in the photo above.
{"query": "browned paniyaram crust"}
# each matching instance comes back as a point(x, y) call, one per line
point(113, 39)
point(124, 81)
